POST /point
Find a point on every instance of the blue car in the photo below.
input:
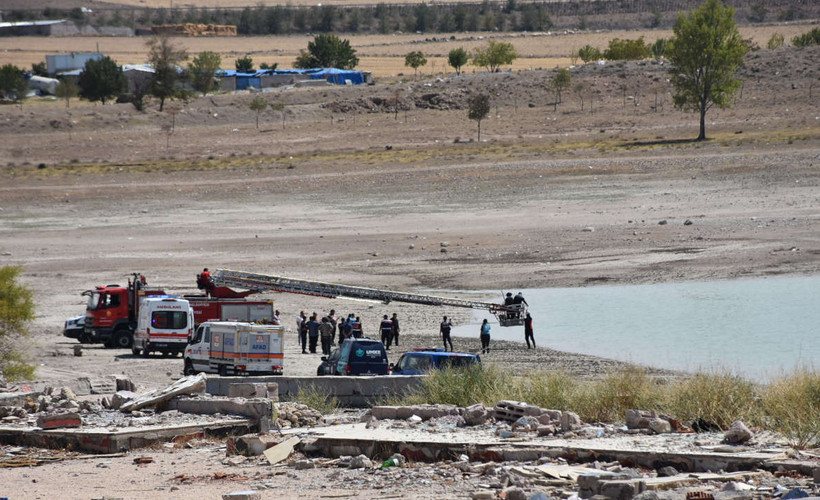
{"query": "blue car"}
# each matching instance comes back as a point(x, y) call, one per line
point(422, 360)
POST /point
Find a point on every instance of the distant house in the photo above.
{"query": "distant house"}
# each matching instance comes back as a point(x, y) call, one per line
point(260, 79)
point(60, 27)
point(66, 63)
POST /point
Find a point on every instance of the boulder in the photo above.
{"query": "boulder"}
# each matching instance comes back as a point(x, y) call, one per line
point(476, 414)
point(361, 462)
point(639, 419)
point(660, 426)
point(738, 433)
point(120, 398)
point(570, 421)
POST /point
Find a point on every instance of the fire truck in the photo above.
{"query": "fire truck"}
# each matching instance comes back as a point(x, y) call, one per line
point(112, 311)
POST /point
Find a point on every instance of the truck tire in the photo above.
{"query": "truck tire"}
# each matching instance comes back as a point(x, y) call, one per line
point(85, 338)
point(135, 351)
point(122, 338)
point(189, 368)
point(223, 370)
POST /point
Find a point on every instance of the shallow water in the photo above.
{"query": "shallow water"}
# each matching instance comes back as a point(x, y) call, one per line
point(757, 328)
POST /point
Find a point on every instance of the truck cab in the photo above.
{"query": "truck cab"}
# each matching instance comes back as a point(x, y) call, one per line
point(164, 325)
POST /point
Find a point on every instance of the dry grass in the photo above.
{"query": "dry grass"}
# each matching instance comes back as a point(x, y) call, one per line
point(792, 407)
point(381, 54)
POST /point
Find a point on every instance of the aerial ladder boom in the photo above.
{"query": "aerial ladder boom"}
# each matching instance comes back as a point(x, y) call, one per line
point(507, 315)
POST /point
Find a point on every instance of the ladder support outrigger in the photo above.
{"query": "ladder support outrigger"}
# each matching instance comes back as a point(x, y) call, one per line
point(508, 315)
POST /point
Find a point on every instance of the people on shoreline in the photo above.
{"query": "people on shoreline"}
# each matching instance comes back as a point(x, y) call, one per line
point(444, 329)
point(395, 320)
point(386, 329)
point(326, 333)
point(356, 328)
point(301, 328)
point(313, 333)
point(528, 336)
point(485, 337)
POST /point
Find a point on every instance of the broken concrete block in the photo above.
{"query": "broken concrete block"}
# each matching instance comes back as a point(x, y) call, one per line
point(476, 414)
point(553, 415)
point(738, 433)
point(281, 451)
point(56, 420)
point(639, 419)
point(242, 495)
point(513, 410)
point(483, 495)
point(384, 412)
point(570, 421)
point(816, 474)
point(304, 464)
point(249, 390)
point(120, 398)
point(252, 445)
point(124, 383)
point(546, 430)
point(513, 493)
point(660, 426)
point(186, 385)
point(623, 489)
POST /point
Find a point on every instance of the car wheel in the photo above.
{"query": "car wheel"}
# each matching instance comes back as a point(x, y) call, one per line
point(123, 339)
point(223, 370)
point(189, 368)
point(85, 338)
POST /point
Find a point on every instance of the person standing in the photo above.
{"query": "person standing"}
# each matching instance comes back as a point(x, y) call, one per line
point(333, 321)
point(386, 329)
point(528, 331)
point(313, 333)
point(485, 337)
point(301, 328)
point(356, 328)
point(445, 328)
point(326, 333)
point(395, 320)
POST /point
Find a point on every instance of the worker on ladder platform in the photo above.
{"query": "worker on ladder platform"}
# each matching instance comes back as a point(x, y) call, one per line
point(203, 279)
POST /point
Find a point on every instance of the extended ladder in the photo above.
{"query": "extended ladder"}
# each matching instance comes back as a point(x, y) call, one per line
point(508, 315)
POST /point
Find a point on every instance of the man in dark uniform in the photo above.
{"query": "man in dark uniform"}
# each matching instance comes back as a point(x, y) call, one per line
point(386, 329)
point(395, 320)
point(445, 328)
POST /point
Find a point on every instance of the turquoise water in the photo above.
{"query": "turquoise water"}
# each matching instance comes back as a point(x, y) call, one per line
point(757, 328)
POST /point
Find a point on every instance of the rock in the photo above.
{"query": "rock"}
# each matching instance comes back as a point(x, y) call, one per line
point(588, 229)
point(622, 489)
point(570, 421)
point(525, 424)
point(513, 493)
point(235, 460)
point(124, 383)
point(738, 433)
point(304, 464)
point(667, 471)
point(660, 426)
point(120, 398)
point(476, 414)
point(646, 495)
point(549, 416)
point(414, 419)
point(736, 486)
point(361, 462)
point(373, 423)
point(66, 393)
point(639, 419)
point(687, 222)
point(546, 430)
point(816, 474)
point(662, 223)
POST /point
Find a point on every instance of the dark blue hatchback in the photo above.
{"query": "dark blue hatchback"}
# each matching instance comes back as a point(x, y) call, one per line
point(422, 360)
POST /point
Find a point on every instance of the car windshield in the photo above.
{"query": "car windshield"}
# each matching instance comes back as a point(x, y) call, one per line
point(418, 363)
point(93, 301)
point(169, 320)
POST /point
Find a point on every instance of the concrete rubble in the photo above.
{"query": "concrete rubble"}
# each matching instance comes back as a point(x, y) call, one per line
point(512, 450)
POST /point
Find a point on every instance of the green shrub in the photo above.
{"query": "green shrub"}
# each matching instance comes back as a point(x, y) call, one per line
point(589, 53)
point(553, 390)
point(792, 407)
point(720, 398)
point(623, 50)
point(466, 386)
point(806, 39)
point(775, 42)
point(318, 400)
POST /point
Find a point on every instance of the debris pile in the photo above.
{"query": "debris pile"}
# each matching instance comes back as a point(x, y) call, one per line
point(296, 415)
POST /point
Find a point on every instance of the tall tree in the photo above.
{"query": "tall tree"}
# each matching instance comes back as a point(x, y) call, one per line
point(705, 53)
point(13, 82)
point(202, 71)
point(415, 59)
point(16, 311)
point(457, 58)
point(494, 55)
point(560, 80)
point(327, 51)
point(478, 107)
point(165, 57)
point(101, 79)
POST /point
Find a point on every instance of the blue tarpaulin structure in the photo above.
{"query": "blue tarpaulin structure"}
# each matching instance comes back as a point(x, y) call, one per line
point(332, 75)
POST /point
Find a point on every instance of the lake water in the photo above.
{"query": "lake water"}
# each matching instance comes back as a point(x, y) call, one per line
point(757, 328)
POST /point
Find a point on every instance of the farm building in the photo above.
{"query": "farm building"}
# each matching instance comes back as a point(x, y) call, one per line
point(63, 63)
point(232, 80)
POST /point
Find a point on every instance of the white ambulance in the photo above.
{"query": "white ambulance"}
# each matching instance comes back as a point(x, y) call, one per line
point(164, 325)
point(235, 348)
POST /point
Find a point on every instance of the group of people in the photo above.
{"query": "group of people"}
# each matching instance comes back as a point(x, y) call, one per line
point(312, 330)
